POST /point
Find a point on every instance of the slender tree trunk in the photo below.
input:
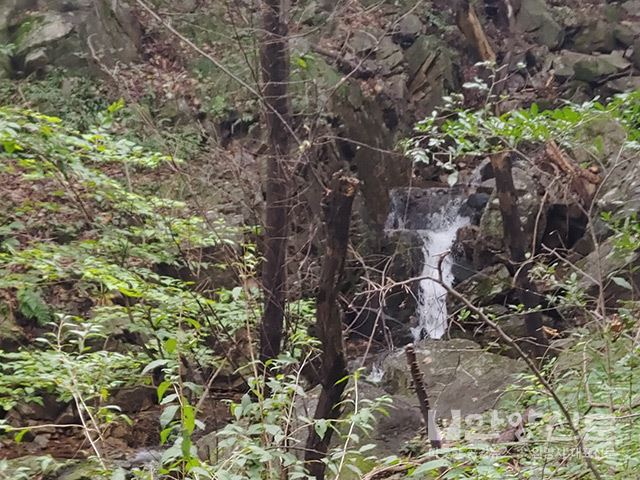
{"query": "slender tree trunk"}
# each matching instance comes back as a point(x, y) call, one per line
point(275, 76)
point(515, 241)
point(337, 208)
point(433, 434)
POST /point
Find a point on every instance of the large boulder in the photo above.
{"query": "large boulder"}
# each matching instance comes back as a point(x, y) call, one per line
point(536, 19)
point(459, 376)
point(72, 34)
point(589, 68)
point(484, 287)
point(597, 36)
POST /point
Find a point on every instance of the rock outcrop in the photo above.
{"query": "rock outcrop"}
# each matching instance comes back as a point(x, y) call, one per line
point(74, 34)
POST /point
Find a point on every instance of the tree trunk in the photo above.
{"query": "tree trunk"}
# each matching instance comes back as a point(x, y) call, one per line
point(275, 76)
point(433, 434)
point(515, 241)
point(337, 209)
point(469, 24)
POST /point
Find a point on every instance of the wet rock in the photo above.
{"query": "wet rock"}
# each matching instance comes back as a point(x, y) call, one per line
point(417, 208)
point(474, 206)
point(462, 250)
point(459, 375)
point(536, 19)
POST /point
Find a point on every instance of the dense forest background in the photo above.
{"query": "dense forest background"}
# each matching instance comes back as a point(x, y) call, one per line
point(342, 239)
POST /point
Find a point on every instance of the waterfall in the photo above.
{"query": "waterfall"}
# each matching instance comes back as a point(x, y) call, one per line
point(432, 298)
point(434, 215)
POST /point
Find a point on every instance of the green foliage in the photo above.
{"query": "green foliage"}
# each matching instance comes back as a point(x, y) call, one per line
point(65, 365)
point(80, 243)
point(77, 99)
point(452, 132)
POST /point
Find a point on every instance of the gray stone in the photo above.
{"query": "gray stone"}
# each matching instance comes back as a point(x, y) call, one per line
point(632, 7)
point(10, 12)
point(596, 270)
point(535, 18)
point(588, 68)
point(69, 34)
point(459, 375)
point(362, 42)
point(389, 56)
point(626, 32)
point(36, 60)
point(45, 29)
point(409, 27)
point(624, 84)
point(485, 286)
point(635, 58)
point(598, 36)
point(11, 335)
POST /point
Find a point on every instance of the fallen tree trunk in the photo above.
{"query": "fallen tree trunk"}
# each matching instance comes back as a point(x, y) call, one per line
point(337, 206)
point(515, 242)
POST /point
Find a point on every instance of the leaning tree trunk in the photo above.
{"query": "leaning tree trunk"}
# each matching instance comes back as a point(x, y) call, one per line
point(337, 209)
point(275, 76)
point(515, 241)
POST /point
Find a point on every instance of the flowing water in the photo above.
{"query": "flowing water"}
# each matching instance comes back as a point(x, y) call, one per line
point(432, 299)
point(438, 230)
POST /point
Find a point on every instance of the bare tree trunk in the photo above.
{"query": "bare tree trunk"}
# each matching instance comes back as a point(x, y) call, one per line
point(469, 24)
point(275, 76)
point(337, 207)
point(515, 241)
point(433, 434)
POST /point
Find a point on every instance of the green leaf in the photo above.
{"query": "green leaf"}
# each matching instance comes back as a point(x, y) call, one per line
point(162, 389)
point(430, 466)
point(170, 345)
point(20, 435)
point(167, 415)
point(160, 362)
point(321, 427)
point(32, 305)
point(164, 435)
point(621, 282)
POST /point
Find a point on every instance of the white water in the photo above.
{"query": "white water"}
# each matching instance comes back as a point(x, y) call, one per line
point(432, 299)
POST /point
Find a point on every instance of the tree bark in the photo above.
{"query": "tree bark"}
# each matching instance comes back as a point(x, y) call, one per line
point(275, 77)
point(469, 24)
point(433, 434)
point(515, 241)
point(337, 206)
